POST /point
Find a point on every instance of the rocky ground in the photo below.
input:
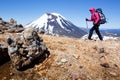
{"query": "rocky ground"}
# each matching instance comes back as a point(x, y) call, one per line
point(70, 59)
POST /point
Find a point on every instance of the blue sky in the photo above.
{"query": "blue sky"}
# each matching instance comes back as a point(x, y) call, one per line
point(25, 11)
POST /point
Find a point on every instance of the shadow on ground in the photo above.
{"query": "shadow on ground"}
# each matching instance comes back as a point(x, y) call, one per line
point(36, 61)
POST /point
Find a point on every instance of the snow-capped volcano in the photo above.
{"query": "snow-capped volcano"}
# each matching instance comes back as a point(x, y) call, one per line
point(56, 24)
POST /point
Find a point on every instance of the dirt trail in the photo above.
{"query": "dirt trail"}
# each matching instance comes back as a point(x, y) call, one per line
point(71, 59)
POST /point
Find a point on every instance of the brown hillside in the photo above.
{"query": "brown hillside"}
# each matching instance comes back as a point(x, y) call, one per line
point(71, 59)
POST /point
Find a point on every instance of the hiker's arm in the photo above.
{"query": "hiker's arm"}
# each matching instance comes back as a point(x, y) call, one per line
point(90, 19)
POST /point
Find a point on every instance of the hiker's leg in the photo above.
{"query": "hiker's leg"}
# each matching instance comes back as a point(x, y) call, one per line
point(91, 32)
point(98, 32)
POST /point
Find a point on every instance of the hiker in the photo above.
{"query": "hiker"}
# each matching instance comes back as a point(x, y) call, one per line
point(96, 19)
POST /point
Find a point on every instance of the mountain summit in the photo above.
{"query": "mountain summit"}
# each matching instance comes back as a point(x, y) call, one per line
point(56, 24)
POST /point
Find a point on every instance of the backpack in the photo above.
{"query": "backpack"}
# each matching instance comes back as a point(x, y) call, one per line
point(102, 16)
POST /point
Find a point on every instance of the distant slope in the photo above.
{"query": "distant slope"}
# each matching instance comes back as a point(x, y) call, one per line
point(114, 31)
point(56, 24)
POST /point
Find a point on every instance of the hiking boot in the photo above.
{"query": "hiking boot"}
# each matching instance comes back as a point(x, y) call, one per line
point(90, 39)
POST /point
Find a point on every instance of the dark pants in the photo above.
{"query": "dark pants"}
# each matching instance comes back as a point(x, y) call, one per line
point(96, 28)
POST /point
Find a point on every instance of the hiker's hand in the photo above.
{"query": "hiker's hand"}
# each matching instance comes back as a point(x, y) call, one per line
point(86, 19)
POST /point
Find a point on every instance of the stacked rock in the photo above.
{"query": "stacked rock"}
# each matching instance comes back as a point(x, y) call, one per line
point(11, 26)
point(26, 49)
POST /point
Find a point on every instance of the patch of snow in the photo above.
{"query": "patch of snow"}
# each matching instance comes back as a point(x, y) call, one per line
point(95, 37)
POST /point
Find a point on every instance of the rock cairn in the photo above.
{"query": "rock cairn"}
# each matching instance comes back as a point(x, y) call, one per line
point(11, 26)
point(26, 48)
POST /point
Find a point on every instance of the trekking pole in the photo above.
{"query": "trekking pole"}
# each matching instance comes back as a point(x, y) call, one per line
point(87, 24)
point(87, 27)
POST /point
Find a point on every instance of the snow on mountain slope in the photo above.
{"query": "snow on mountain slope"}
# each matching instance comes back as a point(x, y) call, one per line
point(56, 24)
